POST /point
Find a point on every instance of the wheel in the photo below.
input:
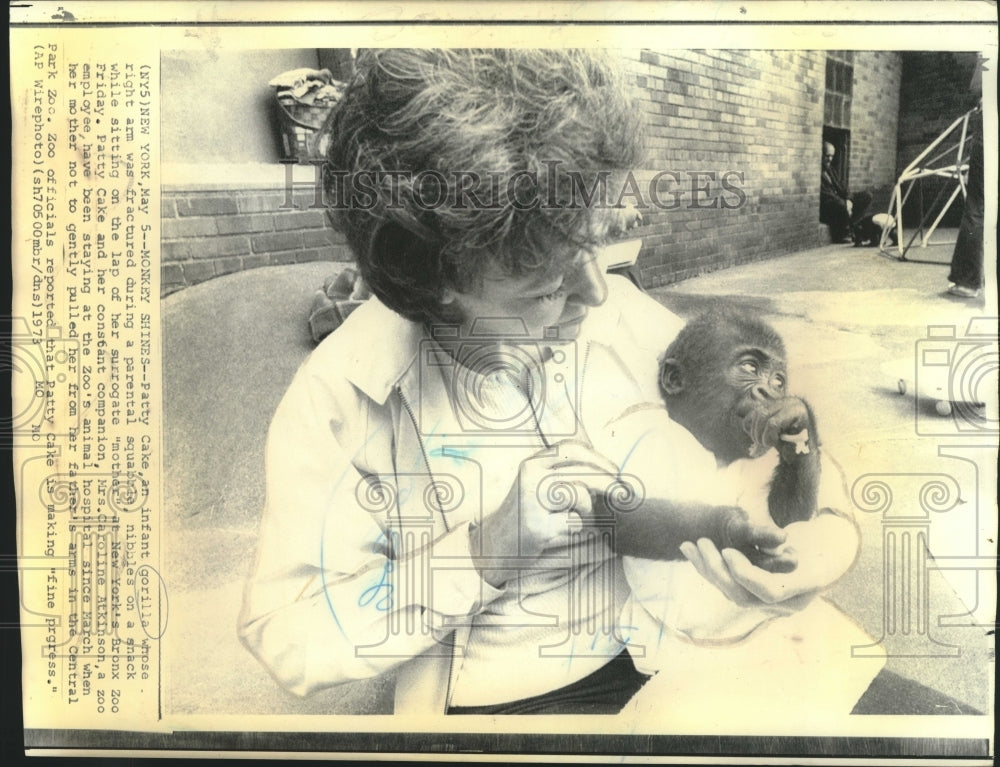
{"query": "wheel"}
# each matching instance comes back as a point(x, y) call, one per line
point(943, 407)
point(901, 385)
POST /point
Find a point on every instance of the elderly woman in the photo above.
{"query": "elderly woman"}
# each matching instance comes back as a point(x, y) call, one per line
point(431, 469)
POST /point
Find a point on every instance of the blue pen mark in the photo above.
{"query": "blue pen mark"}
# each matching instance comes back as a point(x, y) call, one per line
point(622, 642)
point(632, 449)
point(381, 592)
point(403, 493)
point(322, 574)
point(322, 538)
point(628, 637)
point(418, 460)
point(457, 454)
point(383, 602)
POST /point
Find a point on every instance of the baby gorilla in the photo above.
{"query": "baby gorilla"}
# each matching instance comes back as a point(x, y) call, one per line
point(735, 459)
point(724, 380)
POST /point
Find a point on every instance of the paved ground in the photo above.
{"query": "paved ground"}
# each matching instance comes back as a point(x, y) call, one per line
point(232, 344)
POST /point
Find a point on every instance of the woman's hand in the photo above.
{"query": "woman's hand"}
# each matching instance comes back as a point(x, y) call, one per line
point(552, 491)
point(825, 548)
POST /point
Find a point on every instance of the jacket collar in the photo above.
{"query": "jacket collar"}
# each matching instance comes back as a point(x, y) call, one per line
point(395, 341)
point(382, 346)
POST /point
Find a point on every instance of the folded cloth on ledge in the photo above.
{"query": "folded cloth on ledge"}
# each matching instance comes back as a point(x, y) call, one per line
point(340, 295)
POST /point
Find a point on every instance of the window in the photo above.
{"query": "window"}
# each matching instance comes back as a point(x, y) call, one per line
point(839, 89)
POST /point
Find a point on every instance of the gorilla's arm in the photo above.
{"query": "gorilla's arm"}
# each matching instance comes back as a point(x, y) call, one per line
point(795, 485)
point(658, 527)
point(680, 498)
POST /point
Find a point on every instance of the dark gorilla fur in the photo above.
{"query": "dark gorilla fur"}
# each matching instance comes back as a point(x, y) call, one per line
point(869, 232)
point(708, 387)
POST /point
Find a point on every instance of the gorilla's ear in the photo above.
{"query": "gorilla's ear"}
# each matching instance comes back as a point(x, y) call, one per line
point(671, 377)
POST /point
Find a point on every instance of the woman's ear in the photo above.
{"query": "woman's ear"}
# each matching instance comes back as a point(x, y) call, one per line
point(671, 377)
point(447, 296)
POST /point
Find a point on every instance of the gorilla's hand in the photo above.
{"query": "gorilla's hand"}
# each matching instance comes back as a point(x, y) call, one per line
point(761, 544)
point(826, 547)
point(786, 424)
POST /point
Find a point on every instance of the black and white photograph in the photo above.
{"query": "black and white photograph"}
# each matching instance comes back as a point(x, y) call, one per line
point(616, 389)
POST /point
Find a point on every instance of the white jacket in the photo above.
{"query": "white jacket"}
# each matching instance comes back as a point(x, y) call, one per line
point(373, 479)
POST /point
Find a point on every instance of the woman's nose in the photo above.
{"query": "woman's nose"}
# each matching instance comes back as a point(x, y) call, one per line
point(589, 287)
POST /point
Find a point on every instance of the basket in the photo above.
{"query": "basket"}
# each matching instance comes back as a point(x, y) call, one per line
point(302, 135)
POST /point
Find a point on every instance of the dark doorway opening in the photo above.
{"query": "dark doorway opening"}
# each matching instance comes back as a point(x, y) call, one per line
point(841, 140)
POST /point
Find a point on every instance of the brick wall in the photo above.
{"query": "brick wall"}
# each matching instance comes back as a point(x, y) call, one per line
point(756, 112)
point(874, 122)
point(209, 234)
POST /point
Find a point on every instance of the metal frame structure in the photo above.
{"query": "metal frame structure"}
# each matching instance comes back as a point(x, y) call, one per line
point(912, 177)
